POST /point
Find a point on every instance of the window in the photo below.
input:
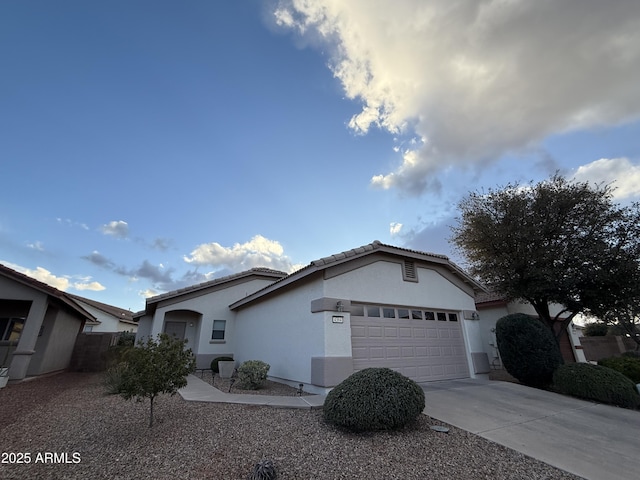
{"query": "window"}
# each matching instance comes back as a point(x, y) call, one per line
point(453, 317)
point(357, 310)
point(416, 314)
point(429, 316)
point(389, 312)
point(11, 329)
point(403, 313)
point(88, 328)
point(218, 329)
point(442, 317)
point(373, 311)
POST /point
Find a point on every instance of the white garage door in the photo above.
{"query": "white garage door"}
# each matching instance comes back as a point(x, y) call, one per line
point(424, 345)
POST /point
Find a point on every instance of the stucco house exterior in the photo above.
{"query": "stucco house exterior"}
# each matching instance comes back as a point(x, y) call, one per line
point(38, 325)
point(107, 318)
point(376, 305)
point(492, 306)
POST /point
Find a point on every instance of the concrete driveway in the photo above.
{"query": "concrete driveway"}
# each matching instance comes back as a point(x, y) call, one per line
point(597, 442)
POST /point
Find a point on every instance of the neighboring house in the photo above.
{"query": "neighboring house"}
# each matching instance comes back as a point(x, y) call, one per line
point(493, 306)
point(44, 322)
point(377, 305)
point(107, 317)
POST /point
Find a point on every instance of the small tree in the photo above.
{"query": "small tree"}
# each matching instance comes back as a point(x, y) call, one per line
point(156, 367)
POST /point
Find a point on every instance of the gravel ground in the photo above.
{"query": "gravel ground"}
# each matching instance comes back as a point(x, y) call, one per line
point(69, 414)
point(269, 387)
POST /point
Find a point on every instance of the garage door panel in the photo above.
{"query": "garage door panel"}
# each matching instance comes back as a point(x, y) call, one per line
point(424, 350)
point(358, 331)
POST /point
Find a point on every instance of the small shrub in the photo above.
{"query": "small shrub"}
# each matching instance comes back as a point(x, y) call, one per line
point(528, 350)
point(596, 383)
point(113, 378)
point(632, 354)
point(628, 366)
point(126, 339)
point(374, 399)
point(252, 374)
point(214, 363)
point(595, 329)
point(264, 470)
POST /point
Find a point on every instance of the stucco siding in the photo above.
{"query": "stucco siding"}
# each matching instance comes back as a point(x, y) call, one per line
point(55, 347)
point(382, 282)
point(210, 306)
point(283, 332)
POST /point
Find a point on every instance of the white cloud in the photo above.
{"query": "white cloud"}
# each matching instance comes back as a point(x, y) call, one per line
point(623, 175)
point(475, 80)
point(94, 286)
point(118, 229)
point(72, 223)
point(41, 274)
point(148, 293)
point(39, 246)
point(257, 252)
point(61, 283)
point(394, 228)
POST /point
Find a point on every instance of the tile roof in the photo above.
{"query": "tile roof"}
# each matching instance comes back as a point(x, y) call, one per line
point(119, 313)
point(489, 296)
point(260, 271)
point(45, 288)
point(376, 245)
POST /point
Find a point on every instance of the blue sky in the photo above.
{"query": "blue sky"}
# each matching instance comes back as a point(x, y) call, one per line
point(150, 145)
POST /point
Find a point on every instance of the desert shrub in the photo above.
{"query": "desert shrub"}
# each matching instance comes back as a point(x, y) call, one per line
point(113, 378)
point(214, 363)
point(596, 383)
point(374, 399)
point(252, 374)
point(264, 470)
point(628, 366)
point(595, 329)
point(528, 350)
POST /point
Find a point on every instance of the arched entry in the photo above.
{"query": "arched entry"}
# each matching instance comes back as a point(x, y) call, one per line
point(183, 324)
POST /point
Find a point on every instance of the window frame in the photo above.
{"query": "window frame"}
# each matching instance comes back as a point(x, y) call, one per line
point(223, 330)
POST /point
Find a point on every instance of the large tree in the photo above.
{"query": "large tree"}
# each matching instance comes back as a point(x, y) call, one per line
point(554, 242)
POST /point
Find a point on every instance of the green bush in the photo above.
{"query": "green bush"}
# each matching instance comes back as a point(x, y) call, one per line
point(628, 366)
point(113, 378)
point(528, 349)
point(214, 363)
point(374, 399)
point(632, 354)
point(596, 383)
point(595, 329)
point(126, 339)
point(252, 374)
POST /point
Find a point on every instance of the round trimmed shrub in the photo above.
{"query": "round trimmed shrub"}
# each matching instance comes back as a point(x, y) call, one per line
point(252, 374)
point(596, 383)
point(628, 366)
point(374, 399)
point(214, 363)
point(528, 349)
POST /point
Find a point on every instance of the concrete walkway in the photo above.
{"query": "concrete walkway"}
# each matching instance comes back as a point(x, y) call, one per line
point(198, 390)
point(593, 441)
point(596, 442)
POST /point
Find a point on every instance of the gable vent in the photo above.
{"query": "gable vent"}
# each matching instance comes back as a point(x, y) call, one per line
point(410, 270)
